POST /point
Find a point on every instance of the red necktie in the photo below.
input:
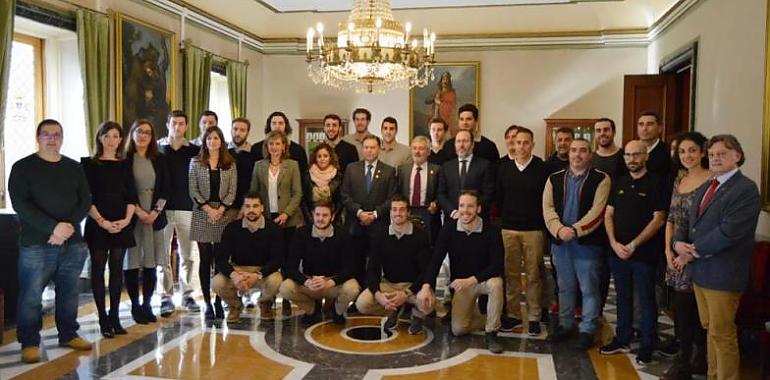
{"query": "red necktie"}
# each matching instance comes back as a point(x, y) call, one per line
point(709, 194)
point(417, 188)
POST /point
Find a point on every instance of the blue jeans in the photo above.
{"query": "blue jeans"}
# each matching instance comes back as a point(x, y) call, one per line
point(38, 265)
point(578, 268)
point(639, 276)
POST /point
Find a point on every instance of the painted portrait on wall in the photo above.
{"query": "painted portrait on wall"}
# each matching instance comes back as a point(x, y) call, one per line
point(453, 84)
point(146, 58)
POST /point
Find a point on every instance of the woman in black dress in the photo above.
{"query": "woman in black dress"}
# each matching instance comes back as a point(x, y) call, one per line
point(108, 231)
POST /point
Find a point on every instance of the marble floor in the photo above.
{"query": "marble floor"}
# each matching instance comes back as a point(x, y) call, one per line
point(184, 347)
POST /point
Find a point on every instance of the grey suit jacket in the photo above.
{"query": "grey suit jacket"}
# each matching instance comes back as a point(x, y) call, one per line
point(724, 234)
point(289, 189)
point(199, 183)
point(354, 195)
point(405, 177)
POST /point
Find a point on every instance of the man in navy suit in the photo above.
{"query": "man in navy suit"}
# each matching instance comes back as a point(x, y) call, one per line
point(366, 190)
point(465, 172)
point(717, 250)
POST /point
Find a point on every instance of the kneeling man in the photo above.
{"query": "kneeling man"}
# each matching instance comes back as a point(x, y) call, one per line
point(396, 273)
point(476, 254)
point(249, 257)
point(320, 266)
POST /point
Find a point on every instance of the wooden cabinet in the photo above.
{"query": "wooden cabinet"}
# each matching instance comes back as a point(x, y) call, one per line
point(582, 127)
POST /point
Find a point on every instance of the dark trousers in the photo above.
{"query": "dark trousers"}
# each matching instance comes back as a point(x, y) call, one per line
point(688, 327)
point(431, 223)
point(639, 276)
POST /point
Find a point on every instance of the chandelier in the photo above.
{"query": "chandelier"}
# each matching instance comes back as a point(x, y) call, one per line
point(373, 52)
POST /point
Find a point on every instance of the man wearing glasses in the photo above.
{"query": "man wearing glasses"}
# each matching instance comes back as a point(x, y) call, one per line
point(50, 194)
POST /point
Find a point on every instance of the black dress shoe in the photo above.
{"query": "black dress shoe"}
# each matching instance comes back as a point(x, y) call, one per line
point(138, 314)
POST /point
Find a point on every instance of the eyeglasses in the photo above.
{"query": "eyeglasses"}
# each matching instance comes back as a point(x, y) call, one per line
point(50, 136)
point(634, 155)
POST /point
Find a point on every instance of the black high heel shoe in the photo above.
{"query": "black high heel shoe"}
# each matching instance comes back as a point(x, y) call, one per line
point(117, 329)
point(138, 314)
point(106, 328)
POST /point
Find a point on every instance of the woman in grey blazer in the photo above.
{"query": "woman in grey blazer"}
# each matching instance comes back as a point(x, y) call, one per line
point(213, 179)
point(277, 180)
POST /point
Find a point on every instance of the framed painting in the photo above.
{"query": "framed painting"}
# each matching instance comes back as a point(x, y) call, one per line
point(311, 133)
point(145, 69)
point(453, 84)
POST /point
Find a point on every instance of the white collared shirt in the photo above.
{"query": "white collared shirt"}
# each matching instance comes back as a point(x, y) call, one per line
point(468, 160)
point(408, 230)
point(523, 166)
point(374, 167)
point(423, 183)
point(253, 227)
point(272, 189)
point(725, 177)
point(654, 145)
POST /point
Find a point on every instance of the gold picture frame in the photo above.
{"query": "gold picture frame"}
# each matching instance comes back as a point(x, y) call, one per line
point(145, 66)
point(765, 178)
point(464, 78)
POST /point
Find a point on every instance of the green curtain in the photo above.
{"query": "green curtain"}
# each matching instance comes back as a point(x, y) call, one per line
point(94, 52)
point(7, 11)
point(236, 87)
point(197, 81)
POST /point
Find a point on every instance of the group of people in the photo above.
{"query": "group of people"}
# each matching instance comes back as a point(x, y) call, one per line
point(364, 212)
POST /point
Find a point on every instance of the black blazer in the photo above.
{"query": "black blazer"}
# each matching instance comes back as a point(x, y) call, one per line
point(479, 178)
point(404, 181)
point(162, 187)
point(346, 153)
point(354, 195)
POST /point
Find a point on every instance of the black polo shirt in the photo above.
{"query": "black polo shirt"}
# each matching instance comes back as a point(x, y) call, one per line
point(634, 202)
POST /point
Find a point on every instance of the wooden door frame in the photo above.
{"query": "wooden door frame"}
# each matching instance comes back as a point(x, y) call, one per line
point(678, 60)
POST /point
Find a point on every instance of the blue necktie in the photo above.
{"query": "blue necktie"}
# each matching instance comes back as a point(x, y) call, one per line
point(368, 178)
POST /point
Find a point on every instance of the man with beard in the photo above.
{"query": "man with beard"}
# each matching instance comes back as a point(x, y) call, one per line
point(248, 257)
point(559, 160)
point(208, 119)
point(277, 121)
point(244, 156)
point(637, 201)
point(361, 119)
point(346, 152)
point(395, 275)
point(467, 171)
point(392, 152)
point(510, 145)
point(320, 266)
point(475, 249)
point(608, 156)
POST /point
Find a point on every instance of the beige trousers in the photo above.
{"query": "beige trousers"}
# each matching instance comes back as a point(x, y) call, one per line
point(367, 304)
point(465, 314)
point(716, 310)
point(225, 288)
point(526, 246)
point(305, 298)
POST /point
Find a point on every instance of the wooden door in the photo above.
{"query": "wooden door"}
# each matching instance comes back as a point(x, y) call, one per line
point(654, 92)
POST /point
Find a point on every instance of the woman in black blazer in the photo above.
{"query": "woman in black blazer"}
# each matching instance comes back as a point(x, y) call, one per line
point(151, 179)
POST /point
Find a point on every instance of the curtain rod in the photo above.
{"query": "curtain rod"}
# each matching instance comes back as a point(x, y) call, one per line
point(188, 42)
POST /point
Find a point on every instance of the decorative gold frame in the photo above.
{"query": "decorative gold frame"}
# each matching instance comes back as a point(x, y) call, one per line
point(765, 178)
point(119, 18)
point(477, 102)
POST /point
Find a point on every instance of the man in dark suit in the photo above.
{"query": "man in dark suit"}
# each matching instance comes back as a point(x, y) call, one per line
point(466, 172)
point(418, 182)
point(468, 120)
point(649, 129)
point(346, 152)
point(366, 190)
point(717, 247)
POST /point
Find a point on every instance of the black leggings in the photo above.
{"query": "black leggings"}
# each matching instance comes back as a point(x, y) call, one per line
point(207, 251)
point(99, 258)
point(687, 323)
point(149, 277)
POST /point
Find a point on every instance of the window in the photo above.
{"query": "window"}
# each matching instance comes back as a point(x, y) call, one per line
point(219, 102)
point(25, 106)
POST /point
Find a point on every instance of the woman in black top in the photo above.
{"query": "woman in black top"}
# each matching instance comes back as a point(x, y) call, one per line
point(108, 231)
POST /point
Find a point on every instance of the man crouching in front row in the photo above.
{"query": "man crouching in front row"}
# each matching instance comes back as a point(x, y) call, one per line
point(475, 250)
point(249, 257)
point(320, 266)
point(397, 269)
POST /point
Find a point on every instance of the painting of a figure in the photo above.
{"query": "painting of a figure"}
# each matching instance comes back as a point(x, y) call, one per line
point(146, 61)
point(454, 84)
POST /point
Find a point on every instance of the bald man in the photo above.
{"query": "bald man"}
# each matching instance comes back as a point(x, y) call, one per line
point(638, 200)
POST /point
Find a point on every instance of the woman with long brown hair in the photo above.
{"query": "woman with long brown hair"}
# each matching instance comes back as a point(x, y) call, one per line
point(108, 230)
point(323, 180)
point(151, 180)
point(213, 183)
